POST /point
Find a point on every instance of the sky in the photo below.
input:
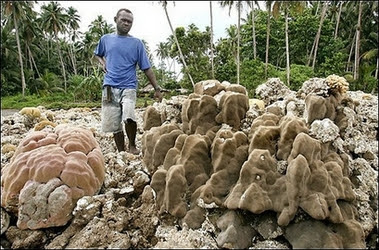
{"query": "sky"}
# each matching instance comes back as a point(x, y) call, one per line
point(150, 22)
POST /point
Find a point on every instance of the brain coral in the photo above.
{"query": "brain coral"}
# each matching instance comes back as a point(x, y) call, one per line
point(48, 173)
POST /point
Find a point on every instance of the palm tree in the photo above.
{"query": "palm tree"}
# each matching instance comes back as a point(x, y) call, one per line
point(314, 49)
point(357, 42)
point(162, 53)
point(30, 32)
point(164, 3)
point(73, 20)
point(211, 17)
point(268, 7)
point(287, 6)
point(338, 19)
point(239, 7)
point(16, 10)
point(54, 22)
point(253, 26)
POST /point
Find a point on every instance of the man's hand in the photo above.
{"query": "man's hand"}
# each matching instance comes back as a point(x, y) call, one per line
point(158, 95)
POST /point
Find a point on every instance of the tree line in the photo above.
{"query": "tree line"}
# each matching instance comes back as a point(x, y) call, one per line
point(44, 53)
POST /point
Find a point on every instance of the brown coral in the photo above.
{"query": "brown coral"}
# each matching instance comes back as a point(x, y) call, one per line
point(198, 114)
point(70, 155)
point(208, 87)
point(233, 108)
point(151, 118)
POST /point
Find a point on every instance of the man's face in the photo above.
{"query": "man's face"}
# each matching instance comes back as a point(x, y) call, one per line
point(124, 22)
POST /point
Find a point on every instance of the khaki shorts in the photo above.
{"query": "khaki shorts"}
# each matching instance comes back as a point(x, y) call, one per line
point(117, 105)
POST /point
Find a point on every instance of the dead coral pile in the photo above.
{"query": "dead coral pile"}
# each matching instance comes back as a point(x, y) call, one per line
point(211, 163)
point(292, 170)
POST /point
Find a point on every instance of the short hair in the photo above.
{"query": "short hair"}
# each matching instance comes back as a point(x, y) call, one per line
point(123, 9)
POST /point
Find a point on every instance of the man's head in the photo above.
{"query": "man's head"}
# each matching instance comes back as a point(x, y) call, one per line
point(124, 21)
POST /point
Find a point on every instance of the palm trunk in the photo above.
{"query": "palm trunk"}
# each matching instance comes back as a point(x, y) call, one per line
point(351, 52)
point(253, 24)
point(211, 16)
point(238, 42)
point(357, 43)
point(33, 61)
point(287, 49)
point(72, 57)
point(177, 44)
point(23, 84)
point(63, 67)
point(267, 39)
point(338, 20)
point(319, 33)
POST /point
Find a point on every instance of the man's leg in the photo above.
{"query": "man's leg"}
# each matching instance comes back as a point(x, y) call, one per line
point(131, 131)
point(119, 140)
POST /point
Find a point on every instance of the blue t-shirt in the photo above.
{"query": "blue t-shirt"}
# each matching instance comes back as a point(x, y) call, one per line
point(122, 54)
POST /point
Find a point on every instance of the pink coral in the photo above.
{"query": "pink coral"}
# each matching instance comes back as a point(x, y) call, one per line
point(70, 157)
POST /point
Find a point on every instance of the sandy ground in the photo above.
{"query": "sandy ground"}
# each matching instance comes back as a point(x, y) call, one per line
point(6, 112)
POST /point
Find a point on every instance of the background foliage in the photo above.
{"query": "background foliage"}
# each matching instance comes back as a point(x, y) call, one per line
point(58, 66)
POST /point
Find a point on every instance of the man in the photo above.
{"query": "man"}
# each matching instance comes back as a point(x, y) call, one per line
point(119, 55)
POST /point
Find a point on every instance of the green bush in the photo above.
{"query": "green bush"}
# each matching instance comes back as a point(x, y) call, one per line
point(299, 74)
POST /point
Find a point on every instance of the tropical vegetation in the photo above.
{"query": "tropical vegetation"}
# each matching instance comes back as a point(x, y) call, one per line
point(45, 56)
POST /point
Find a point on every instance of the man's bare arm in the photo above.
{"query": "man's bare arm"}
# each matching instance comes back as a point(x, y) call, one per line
point(102, 62)
point(153, 81)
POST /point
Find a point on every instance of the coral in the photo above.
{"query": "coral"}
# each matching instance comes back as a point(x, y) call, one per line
point(233, 108)
point(198, 114)
point(337, 84)
point(273, 90)
point(322, 182)
point(257, 181)
point(256, 103)
point(151, 118)
point(30, 112)
point(155, 144)
point(42, 124)
point(8, 148)
point(290, 127)
point(318, 107)
point(324, 130)
point(191, 170)
point(51, 171)
point(317, 86)
point(228, 152)
point(208, 87)
point(234, 234)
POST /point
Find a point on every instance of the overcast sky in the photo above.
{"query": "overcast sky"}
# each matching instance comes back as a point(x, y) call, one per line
point(150, 22)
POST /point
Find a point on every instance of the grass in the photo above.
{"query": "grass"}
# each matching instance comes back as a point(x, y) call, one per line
point(59, 101)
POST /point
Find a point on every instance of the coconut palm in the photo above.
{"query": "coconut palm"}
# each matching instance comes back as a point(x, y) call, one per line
point(164, 4)
point(252, 6)
point(287, 6)
point(73, 20)
point(268, 8)
point(357, 42)
point(15, 10)
point(239, 7)
point(314, 49)
point(211, 19)
point(54, 21)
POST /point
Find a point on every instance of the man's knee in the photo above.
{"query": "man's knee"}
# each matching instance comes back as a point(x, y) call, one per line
point(129, 121)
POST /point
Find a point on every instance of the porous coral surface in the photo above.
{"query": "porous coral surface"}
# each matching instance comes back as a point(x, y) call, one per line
point(251, 178)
